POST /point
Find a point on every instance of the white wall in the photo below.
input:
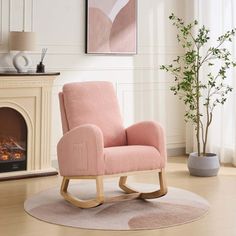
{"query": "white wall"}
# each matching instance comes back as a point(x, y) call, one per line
point(142, 89)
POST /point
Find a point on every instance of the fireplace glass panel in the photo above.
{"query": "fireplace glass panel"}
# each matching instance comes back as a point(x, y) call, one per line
point(13, 140)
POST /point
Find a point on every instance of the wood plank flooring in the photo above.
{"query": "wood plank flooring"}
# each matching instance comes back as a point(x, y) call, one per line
point(220, 191)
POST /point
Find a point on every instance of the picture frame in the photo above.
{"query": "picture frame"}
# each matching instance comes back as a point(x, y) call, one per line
point(111, 27)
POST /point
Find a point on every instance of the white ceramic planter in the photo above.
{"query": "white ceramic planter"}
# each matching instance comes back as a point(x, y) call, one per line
point(204, 166)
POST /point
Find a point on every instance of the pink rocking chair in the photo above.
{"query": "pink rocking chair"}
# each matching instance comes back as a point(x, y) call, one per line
point(96, 145)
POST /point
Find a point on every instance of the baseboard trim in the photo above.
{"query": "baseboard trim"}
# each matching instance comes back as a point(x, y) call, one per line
point(173, 152)
point(55, 164)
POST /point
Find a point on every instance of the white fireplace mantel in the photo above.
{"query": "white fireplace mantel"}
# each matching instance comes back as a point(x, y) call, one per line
point(30, 95)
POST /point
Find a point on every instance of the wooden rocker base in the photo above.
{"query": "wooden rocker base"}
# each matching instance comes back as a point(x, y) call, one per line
point(83, 203)
point(100, 199)
point(150, 195)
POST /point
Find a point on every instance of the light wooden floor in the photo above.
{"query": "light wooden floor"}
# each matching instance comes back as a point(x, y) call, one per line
point(220, 191)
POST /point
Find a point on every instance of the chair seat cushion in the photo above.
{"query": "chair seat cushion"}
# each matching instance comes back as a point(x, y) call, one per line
point(131, 158)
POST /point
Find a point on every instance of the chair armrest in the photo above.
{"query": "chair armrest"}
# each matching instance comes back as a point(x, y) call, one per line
point(80, 151)
point(148, 133)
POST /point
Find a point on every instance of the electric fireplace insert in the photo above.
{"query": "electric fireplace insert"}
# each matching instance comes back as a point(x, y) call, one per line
point(13, 141)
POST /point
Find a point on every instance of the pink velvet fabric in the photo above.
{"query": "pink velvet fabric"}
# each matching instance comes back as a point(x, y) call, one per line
point(65, 126)
point(131, 158)
point(95, 103)
point(95, 141)
point(148, 133)
point(80, 152)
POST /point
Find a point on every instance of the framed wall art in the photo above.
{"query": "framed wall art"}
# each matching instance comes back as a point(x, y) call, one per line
point(111, 27)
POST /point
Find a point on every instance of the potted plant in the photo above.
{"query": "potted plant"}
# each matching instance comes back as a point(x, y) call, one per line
point(201, 92)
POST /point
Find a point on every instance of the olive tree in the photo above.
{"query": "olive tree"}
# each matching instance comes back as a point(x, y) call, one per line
point(200, 92)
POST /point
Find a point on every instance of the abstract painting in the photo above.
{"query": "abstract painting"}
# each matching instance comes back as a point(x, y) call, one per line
point(111, 26)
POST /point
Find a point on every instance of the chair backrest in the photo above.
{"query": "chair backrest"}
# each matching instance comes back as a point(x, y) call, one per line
point(93, 103)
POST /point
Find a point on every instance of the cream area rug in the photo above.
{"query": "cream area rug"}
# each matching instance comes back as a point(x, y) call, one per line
point(177, 207)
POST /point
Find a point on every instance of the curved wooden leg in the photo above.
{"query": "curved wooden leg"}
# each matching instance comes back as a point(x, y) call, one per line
point(159, 193)
point(83, 203)
point(124, 186)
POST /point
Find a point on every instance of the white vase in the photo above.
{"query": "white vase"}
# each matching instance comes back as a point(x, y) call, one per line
point(21, 62)
point(204, 166)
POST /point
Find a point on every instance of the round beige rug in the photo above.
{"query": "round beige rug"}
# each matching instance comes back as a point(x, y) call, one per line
point(177, 207)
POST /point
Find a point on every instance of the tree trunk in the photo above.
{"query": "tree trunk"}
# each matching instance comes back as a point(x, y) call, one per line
point(198, 108)
point(198, 128)
point(209, 120)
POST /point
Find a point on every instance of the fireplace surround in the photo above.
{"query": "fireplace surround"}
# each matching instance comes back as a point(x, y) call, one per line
point(25, 125)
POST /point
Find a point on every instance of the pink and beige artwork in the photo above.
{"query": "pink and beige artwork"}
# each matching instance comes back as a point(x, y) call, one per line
point(111, 26)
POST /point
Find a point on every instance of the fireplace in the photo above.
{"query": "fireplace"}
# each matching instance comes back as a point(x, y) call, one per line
point(25, 125)
point(13, 141)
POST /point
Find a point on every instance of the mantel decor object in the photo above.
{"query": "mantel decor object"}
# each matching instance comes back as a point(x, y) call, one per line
point(41, 66)
point(22, 41)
